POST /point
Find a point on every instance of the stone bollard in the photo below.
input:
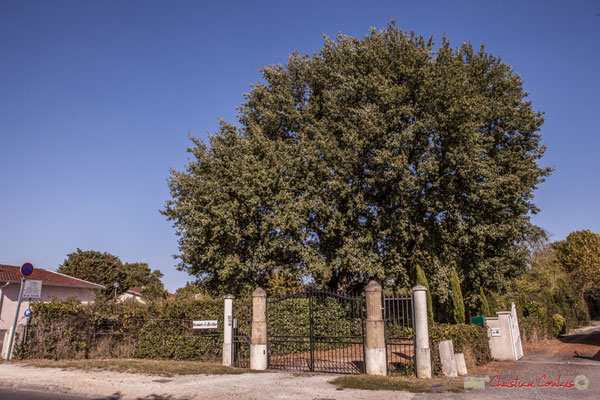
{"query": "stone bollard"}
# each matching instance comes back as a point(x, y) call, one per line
point(228, 331)
point(258, 342)
point(461, 365)
point(447, 358)
point(375, 351)
point(422, 350)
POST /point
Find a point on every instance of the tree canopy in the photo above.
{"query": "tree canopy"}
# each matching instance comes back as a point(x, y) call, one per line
point(579, 254)
point(106, 269)
point(366, 160)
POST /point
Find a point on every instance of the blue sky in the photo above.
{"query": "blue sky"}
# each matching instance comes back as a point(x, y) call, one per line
point(97, 99)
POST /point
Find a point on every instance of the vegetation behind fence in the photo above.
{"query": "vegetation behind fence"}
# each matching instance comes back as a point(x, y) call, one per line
point(71, 330)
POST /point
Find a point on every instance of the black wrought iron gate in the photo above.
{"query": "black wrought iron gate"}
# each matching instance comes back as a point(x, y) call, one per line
point(399, 334)
point(242, 329)
point(316, 330)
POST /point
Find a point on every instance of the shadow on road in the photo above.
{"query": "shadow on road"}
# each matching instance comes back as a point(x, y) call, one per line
point(119, 396)
point(595, 357)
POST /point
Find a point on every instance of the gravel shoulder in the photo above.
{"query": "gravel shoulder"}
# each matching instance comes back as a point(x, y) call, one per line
point(215, 387)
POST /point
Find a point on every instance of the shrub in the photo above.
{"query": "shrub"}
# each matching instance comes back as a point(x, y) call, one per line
point(472, 340)
point(70, 330)
point(558, 324)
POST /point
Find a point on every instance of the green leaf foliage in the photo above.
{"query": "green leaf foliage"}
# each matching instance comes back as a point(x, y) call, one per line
point(472, 340)
point(71, 330)
point(106, 269)
point(362, 161)
point(458, 304)
point(485, 306)
point(579, 255)
point(422, 280)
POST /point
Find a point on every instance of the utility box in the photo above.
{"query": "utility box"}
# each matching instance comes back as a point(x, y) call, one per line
point(478, 320)
point(504, 336)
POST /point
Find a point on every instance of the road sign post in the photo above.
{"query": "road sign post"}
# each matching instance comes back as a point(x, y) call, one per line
point(11, 338)
point(26, 270)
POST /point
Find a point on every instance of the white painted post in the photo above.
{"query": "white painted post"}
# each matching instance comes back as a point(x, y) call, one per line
point(461, 365)
point(447, 358)
point(228, 331)
point(422, 350)
point(258, 342)
point(375, 351)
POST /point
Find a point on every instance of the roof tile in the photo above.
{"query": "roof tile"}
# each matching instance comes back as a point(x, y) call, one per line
point(13, 273)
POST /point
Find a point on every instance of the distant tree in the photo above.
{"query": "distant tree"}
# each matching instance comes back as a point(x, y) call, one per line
point(140, 275)
point(422, 280)
point(485, 306)
point(579, 254)
point(189, 291)
point(107, 269)
point(362, 161)
point(458, 305)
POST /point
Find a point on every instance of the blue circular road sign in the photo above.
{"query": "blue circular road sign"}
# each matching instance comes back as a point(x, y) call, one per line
point(28, 312)
point(26, 269)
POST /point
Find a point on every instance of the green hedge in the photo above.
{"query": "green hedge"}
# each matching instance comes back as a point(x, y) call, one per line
point(472, 340)
point(71, 330)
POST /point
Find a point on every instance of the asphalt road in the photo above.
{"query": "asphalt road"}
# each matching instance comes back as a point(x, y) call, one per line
point(23, 394)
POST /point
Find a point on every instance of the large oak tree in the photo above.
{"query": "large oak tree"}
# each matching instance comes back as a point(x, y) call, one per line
point(366, 160)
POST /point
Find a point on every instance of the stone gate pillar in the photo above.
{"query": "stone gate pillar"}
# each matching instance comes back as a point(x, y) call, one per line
point(258, 342)
point(422, 350)
point(228, 331)
point(375, 350)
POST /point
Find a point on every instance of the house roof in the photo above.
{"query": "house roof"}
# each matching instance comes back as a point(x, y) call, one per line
point(135, 290)
point(11, 273)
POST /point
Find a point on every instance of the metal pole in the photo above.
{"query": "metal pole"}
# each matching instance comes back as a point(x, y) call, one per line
point(11, 339)
point(311, 333)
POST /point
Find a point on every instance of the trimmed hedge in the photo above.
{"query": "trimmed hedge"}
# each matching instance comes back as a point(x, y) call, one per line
point(472, 340)
point(70, 330)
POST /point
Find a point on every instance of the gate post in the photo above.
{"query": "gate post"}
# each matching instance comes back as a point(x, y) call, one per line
point(258, 343)
point(375, 349)
point(422, 350)
point(228, 331)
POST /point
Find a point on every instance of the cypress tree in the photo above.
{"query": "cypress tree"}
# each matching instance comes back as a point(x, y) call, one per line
point(458, 305)
point(485, 307)
point(422, 280)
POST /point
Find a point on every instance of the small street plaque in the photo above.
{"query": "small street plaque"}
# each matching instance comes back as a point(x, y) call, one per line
point(205, 324)
point(32, 289)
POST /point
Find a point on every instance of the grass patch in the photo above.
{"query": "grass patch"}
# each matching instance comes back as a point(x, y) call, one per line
point(399, 383)
point(147, 367)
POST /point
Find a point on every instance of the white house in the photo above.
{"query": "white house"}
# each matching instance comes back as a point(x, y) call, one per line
point(54, 285)
point(132, 295)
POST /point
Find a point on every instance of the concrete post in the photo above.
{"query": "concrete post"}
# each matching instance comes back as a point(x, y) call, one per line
point(447, 358)
point(422, 350)
point(228, 331)
point(461, 365)
point(375, 350)
point(258, 342)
